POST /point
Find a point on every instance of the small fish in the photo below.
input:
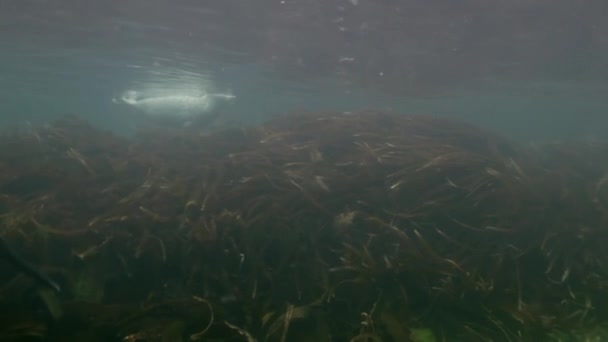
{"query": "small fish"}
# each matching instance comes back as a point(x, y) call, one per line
point(6, 252)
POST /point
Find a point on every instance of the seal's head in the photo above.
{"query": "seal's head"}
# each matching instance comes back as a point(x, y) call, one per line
point(130, 97)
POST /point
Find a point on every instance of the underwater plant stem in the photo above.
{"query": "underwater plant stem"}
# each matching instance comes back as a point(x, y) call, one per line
point(28, 269)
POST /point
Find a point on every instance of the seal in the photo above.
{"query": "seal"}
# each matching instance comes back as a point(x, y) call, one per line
point(177, 105)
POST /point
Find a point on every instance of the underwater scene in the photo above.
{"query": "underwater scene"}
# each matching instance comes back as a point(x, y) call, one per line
point(304, 170)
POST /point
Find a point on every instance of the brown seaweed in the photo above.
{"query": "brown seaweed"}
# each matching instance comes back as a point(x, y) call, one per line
point(360, 226)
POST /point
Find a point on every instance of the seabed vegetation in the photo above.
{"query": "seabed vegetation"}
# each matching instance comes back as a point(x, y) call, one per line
point(311, 227)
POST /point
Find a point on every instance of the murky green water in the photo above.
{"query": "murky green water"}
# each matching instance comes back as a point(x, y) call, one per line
point(534, 71)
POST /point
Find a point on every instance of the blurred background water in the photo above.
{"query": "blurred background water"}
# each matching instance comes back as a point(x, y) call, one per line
point(535, 70)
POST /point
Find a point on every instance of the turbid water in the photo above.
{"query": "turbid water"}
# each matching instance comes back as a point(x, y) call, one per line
point(431, 216)
point(62, 58)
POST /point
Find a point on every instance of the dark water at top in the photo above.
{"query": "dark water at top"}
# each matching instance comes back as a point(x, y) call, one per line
point(532, 69)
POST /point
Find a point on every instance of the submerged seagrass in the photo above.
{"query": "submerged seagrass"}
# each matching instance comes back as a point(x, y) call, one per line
point(319, 226)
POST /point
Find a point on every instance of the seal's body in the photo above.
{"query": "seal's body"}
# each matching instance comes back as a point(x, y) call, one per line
point(179, 106)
